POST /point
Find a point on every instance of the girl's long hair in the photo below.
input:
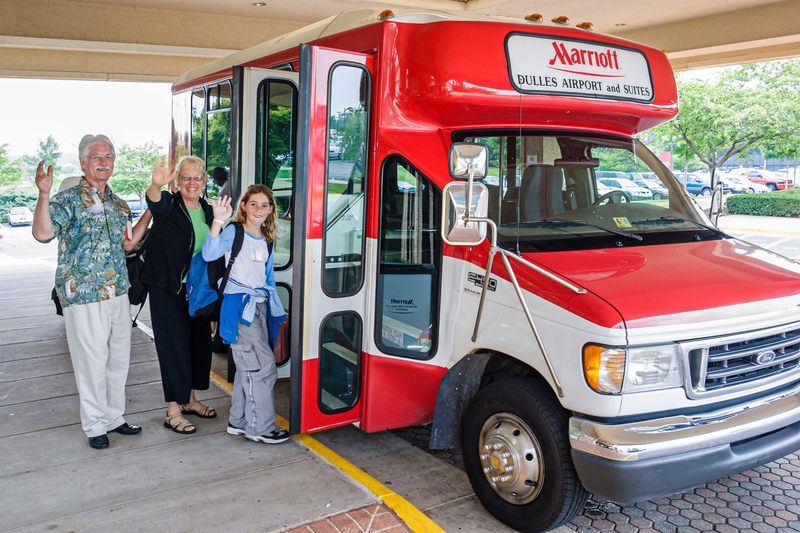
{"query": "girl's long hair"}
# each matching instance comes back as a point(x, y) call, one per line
point(269, 228)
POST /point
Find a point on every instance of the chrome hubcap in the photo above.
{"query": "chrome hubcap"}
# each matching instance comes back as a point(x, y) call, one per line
point(511, 458)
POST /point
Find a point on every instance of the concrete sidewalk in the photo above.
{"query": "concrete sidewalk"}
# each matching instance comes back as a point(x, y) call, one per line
point(51, 480)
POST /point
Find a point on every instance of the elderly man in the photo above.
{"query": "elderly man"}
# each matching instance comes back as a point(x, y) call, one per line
point(92, 283)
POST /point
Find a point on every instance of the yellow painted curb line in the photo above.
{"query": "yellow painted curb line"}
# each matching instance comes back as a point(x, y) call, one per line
point(413, 517)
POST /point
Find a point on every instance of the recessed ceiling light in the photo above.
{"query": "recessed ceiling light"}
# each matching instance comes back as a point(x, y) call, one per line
point(259, 4)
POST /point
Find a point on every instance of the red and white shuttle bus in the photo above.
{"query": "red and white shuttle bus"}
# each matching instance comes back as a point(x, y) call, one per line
point(568, 337)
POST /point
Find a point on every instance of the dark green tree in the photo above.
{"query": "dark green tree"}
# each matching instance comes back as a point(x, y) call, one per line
point(48, 151)
point(743, 108)
point(133, 168)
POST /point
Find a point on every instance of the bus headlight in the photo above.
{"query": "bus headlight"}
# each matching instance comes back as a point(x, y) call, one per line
point(613, 370)
point(653, 368)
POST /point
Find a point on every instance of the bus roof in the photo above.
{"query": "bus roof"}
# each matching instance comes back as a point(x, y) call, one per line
point(345, 21)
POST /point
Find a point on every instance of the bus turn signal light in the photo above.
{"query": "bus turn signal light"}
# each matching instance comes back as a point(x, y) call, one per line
point(585, 26)
point(386, 14)
point(561, 20)
point(604, 368)
point(534, 17)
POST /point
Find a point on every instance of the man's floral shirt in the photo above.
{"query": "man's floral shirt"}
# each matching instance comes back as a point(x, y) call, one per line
point(90, 227)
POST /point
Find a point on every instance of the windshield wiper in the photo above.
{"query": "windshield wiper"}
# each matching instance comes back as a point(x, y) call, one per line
point(679, 219)
point(562, 222)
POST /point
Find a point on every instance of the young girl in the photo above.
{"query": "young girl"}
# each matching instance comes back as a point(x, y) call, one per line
point(250, 311)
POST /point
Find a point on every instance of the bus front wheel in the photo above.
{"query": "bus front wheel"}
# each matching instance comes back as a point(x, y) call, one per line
point(517, 456)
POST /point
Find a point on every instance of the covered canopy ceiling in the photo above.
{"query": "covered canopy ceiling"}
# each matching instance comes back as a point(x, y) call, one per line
point(158, 40)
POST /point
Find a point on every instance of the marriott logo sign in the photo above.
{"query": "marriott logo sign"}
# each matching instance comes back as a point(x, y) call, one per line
point(581, 56)
point(544, 64)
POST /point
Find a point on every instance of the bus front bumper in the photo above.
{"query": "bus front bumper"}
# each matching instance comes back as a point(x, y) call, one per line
point(653, 458)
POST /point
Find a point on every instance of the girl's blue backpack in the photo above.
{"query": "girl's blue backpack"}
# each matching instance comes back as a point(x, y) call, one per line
point(206, 281)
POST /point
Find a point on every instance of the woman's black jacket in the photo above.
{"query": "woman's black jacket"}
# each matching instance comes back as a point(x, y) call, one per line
point(171, 243)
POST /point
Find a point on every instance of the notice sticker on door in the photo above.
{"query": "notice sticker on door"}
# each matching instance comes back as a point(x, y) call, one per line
point(392, 335)
point(621, 222)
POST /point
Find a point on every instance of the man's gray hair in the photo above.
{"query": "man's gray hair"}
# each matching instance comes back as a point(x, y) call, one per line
point(89, 140)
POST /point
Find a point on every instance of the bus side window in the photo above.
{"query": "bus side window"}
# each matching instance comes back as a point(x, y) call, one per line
point(275, 156)
point(409, 247)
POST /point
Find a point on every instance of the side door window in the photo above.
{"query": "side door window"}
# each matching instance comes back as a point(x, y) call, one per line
point(346, 204)
point(275, 155)
point(408, 277)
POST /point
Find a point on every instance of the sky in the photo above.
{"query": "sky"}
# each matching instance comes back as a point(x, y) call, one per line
point(128, 112)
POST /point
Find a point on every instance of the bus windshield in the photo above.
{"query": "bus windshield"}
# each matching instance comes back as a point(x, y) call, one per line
point(556, 186)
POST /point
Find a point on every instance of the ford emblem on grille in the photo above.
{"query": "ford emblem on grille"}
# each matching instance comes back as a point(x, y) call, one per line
point(763, 358)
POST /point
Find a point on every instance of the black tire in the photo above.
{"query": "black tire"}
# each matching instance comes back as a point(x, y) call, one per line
point(656, 196)
point(541, 489)
point(705, 192)
point(772, 186)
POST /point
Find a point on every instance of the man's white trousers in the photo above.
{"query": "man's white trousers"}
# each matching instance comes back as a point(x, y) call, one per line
point(99, 338)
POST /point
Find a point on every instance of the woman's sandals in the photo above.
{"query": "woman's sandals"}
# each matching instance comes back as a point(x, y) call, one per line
point(178, 424)
point(198, 409)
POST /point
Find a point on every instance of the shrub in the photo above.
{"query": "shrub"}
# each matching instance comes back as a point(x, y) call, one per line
point(771, 204)
point(14, 198)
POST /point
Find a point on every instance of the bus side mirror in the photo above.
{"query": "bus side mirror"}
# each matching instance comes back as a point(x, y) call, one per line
point(466, 158)
point(455, 229)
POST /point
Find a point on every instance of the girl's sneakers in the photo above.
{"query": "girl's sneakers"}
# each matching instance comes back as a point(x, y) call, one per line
point(276, 436)
point(233, 430)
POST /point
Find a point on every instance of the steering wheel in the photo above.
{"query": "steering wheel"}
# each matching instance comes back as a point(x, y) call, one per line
point(613, 197)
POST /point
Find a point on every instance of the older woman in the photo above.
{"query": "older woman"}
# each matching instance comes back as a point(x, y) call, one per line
point(183, 343)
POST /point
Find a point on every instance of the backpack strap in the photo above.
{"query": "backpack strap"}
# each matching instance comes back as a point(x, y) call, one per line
point(238, 240)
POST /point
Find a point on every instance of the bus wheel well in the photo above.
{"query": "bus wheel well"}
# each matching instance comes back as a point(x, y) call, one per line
point(462, 382)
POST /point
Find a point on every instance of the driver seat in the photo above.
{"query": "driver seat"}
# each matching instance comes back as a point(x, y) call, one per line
point(540, 193)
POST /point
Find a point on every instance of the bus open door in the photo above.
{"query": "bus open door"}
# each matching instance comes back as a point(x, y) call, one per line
point(332, 264)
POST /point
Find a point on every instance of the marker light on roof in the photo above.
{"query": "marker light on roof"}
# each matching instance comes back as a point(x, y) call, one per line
point(534, 17)
point(586, 26)
point(386, 14)
point(561, 20)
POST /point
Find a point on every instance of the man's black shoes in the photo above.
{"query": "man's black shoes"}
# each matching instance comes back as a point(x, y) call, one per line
point(126, 429)
point(99, 442)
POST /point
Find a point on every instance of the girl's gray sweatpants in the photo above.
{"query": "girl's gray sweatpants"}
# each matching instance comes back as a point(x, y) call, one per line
point(253, 401)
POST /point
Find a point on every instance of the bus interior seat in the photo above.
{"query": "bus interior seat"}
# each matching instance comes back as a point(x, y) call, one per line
point(494, 201)
point(540, 193)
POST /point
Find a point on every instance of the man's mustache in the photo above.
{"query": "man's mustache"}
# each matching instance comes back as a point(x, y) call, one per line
point(103, 167)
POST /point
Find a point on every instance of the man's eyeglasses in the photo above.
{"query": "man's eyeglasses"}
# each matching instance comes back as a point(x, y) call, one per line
point(187, 179)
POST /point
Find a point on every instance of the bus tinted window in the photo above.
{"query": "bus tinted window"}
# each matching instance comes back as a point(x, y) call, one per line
point(408, 281)
point(346, 202)
point(275, 156)
point(198, 123)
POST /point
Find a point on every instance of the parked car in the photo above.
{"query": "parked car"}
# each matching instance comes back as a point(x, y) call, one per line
point(739, 184)
point(135, 207)
point(634, 191)
point(765, 177)
point(20, 215)
point(613, 174)
point(658, 190)
point(698, 185)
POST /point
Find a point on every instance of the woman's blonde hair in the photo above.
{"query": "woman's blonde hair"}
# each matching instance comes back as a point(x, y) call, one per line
point(269, 228)
point(186, 161)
